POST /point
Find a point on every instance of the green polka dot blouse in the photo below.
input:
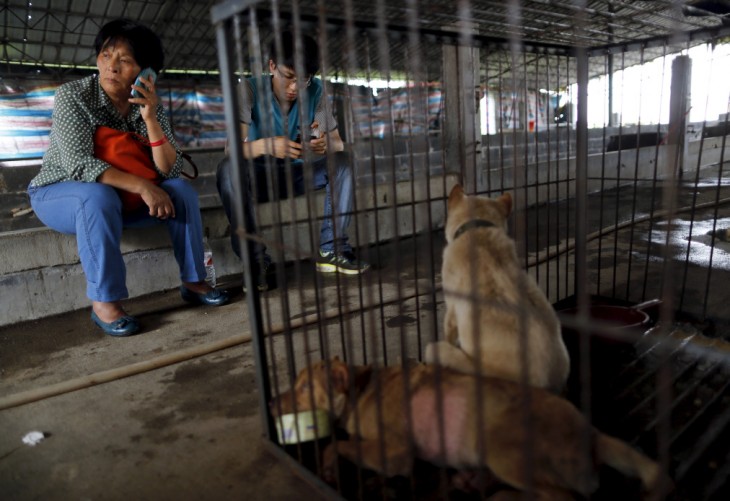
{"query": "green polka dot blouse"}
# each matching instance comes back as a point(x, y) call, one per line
point(79, 108)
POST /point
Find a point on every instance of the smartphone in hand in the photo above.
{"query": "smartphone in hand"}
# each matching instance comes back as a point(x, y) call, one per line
point(313, 133)
point(145, 73)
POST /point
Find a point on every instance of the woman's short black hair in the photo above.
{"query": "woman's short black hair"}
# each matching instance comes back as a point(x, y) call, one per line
point(146, 45)
point(310, 50)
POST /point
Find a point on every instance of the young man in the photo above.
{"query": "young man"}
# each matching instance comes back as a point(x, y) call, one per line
point(269, 110)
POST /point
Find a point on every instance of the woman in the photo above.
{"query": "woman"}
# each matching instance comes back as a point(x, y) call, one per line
point(76, 193)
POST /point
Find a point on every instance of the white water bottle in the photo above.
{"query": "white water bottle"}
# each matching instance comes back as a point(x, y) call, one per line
point(208, 262)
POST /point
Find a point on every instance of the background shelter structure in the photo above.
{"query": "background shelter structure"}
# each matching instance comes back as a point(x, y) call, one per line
point(616, 215)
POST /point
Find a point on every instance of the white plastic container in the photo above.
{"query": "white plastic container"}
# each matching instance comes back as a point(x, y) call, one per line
point(302, 426)
point(208, 262)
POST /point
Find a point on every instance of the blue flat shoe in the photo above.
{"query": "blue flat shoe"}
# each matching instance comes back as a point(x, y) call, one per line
point(124, 326)
point(213, 298)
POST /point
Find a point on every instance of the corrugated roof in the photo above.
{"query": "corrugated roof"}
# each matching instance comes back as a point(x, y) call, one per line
point(61, 32)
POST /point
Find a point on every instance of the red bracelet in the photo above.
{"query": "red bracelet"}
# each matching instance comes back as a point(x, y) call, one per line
point(159, 143)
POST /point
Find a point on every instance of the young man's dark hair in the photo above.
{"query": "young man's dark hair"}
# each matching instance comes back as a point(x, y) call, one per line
point(145, 44)
point(310, 51)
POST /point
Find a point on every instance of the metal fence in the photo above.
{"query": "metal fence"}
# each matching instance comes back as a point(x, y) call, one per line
point(623, 225)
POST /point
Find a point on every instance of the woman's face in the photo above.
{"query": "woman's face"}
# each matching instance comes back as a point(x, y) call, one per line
point(117, 69)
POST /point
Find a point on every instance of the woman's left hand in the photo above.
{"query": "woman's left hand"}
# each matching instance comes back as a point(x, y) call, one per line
point(148, 99)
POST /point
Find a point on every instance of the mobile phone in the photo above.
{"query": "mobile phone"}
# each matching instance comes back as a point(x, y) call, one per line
point(300, 140)
point(146, 73)
point(312, 135)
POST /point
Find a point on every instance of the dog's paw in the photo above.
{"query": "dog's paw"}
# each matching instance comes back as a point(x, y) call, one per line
point(429, 354)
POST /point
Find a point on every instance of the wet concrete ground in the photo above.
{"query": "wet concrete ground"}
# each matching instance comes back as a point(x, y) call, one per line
point(630, 239)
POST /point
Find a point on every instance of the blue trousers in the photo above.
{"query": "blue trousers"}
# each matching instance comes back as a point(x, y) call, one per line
point(93, 212)
point(333, 232)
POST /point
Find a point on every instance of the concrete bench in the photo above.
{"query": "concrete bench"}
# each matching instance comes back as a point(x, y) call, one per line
point(40, 274)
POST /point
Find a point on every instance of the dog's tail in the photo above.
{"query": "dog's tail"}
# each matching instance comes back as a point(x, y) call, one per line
point(632, 463)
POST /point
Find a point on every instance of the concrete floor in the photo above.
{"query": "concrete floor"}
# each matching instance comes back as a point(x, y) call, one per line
point(190, 430)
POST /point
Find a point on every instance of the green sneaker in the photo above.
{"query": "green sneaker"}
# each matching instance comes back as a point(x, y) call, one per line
point(346, 263)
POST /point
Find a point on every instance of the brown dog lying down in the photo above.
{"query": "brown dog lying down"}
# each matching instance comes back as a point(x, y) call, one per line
point(497, 317)
point(557, 429)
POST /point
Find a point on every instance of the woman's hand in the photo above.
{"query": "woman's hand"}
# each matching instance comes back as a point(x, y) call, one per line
point(148, 101)
point(158, 201)
point(164, 155)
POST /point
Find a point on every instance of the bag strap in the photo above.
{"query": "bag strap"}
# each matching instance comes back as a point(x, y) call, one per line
point(195, 167)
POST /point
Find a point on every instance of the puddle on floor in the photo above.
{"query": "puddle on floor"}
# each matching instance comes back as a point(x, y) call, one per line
point(702, 249)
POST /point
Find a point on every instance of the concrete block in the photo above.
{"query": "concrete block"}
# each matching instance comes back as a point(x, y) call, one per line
point(40, 274)
point(366, 148)
point(16, 179)
point(418, 144)
point(41, 292)
point(35, 248)
point(436, 159)
point(435, 142)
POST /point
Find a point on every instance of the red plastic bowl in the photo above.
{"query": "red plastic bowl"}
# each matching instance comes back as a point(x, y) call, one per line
point(621, 317)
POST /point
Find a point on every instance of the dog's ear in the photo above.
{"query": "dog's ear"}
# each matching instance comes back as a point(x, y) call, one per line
point(456, 195)
point(504, 203)
point(339, 375)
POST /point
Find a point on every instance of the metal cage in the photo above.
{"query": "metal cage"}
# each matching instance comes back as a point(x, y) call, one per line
point(622, 213)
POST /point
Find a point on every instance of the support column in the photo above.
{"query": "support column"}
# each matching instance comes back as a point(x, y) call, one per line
point(679, 106)
point(461, 134)
point(581, 181)
point(611, 118)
